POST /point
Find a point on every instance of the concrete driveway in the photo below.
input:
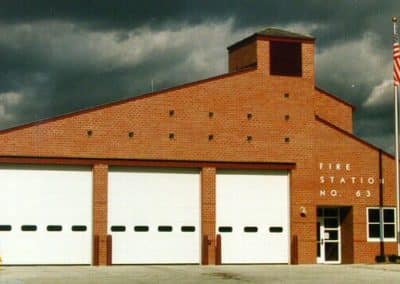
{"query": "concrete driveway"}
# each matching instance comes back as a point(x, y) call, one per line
point(202, 274)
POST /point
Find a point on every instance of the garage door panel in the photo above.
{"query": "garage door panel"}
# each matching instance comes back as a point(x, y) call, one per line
point(43, 196)
point(253, 250)
point(174, 248)
point(153, 198)
point(256, 200)
point(40, 248)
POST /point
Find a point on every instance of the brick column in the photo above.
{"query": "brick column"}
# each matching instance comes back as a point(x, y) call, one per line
point(100, 181)
point(208, 210)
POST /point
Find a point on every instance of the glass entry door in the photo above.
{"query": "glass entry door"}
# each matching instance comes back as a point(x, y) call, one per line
point(328, 235)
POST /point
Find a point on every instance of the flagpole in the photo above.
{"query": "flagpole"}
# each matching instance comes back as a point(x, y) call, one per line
point(396, 111)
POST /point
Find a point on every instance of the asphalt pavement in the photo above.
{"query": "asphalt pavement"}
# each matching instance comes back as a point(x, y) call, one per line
point(382, 273)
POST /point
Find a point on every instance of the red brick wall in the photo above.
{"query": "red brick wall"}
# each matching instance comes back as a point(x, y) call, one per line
point(308, 64)
point(100, 186)
point(208, 210)
point(347, 234)
point(332, 146)
point(243, 104)
point(334, 111)
point(230, 99)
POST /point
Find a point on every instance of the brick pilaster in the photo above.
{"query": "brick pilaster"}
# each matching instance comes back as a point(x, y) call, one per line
point(100, 181)
point(208, 210)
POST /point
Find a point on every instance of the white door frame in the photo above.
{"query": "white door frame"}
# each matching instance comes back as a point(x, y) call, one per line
point(324, 237)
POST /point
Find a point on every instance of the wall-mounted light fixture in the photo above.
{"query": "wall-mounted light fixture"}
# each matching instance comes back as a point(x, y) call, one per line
point(303, 211)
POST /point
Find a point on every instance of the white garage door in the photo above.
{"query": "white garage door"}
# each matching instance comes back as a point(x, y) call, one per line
point(253, 216)
point(45, 215)
point(154, 215)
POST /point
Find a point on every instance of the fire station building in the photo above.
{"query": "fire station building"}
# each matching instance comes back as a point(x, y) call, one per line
point(258, 165)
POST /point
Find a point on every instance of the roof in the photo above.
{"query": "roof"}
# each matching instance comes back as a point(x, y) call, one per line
point(273, 33)
point(337, 128)
point(130, 99)
point(335, 98)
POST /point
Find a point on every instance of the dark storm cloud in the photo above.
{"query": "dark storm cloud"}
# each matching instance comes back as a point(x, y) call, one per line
point(350, 16)
point(61, 56)
point(116, 14)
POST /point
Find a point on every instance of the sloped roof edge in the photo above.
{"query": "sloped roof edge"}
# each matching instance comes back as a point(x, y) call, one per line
point(333, 126)
point(272, 33)
point(118, 102)
point(275, 32)
point(335, 98)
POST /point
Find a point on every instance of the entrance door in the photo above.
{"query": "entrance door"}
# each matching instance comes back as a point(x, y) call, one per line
point(328, 235)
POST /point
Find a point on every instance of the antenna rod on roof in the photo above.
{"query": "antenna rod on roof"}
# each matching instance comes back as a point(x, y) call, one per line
point(152, 85)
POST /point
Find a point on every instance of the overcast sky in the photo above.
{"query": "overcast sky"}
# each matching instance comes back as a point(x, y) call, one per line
point(61, 56)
